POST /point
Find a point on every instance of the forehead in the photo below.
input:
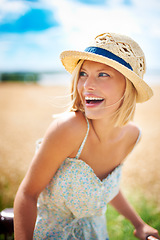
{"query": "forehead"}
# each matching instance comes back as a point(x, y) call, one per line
point(87, 64)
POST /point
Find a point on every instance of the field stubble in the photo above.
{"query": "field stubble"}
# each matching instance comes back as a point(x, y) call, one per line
point(26, 112)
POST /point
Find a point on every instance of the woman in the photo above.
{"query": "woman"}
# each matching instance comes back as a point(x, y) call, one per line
point(77, 168)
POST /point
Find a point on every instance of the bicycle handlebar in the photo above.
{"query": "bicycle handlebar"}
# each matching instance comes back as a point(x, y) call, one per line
point(151, 238)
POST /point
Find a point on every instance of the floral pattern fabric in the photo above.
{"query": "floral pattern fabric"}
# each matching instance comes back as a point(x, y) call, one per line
point(74, 203)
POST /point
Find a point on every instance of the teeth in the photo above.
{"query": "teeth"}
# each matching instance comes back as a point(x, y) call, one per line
point(93, 98)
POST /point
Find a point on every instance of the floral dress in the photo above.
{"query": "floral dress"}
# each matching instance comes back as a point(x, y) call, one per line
point(73, 205)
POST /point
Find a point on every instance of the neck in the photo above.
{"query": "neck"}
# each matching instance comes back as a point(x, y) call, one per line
point(104, 128)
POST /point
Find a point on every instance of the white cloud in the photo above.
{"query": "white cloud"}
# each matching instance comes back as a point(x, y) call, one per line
point(10, 10)
point(147, 16)
point(140, 21)
point(155, 31)
point(149, 4)
point(34, 51)
point(78, 23)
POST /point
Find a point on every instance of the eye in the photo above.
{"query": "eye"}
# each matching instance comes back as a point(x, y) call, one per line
point(82, 74)
point(103, 74)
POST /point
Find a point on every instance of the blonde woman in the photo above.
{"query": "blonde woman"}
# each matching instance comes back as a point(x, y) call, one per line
point(77, 169)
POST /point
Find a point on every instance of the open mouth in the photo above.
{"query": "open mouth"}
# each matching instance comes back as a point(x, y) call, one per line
point(93, 100)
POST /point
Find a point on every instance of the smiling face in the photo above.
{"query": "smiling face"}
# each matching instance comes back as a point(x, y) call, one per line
point(100, 88)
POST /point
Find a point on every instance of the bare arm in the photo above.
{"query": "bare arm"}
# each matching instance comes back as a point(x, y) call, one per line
point(42, 169)
point(45, 163)
point(142, 230)
point(25, 213)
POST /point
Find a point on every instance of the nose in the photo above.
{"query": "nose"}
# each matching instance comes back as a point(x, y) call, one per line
point(90, 83)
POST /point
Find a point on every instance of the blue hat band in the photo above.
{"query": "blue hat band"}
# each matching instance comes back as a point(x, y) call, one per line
point(108, 54)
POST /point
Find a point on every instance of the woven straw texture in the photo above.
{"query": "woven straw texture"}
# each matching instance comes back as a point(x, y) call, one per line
point(121, 46)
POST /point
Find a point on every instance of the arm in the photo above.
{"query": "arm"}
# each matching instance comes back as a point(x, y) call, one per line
point(25, 213)
point(142, 230)
point(43, 167)
point(48, 159)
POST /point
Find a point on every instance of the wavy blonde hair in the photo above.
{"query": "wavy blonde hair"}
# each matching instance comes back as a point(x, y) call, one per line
point(122, 115)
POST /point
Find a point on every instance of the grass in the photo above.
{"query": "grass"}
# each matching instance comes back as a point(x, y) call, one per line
point(121, 229)
point(2, 237)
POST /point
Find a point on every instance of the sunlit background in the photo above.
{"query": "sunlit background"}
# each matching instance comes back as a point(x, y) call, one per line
point(32, 36)
point(33, 33)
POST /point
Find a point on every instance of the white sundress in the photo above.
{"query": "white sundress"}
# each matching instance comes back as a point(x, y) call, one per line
point(73, 205)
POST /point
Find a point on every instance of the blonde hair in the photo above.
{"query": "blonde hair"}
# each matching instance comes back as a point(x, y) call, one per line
point(123, 114)
point(76, 101)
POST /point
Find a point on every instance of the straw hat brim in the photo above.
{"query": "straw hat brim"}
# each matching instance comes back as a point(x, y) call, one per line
point(70, 59)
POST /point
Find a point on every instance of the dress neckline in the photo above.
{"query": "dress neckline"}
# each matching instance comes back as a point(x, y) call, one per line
point(77, 159)
point(101, 181)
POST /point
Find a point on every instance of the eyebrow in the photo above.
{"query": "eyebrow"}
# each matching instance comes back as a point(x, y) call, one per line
point(103, 69)
point(99, 70)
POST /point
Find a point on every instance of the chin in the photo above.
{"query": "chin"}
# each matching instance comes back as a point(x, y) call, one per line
point(94, 115)
point(100, 114)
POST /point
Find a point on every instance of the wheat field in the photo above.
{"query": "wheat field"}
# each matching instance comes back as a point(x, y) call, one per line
point(26, 112)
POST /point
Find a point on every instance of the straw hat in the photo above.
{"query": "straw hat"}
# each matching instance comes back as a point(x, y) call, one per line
point(117, 51)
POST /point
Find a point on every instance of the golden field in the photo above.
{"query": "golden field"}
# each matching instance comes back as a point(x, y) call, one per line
point(26, 111)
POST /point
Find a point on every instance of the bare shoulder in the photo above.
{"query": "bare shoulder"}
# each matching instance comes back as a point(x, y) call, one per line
point(68, 128)
point(132, 134)
point(61, 138)
point(71, 122)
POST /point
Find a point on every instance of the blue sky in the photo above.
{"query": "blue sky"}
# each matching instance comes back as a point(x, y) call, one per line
point(33, 33)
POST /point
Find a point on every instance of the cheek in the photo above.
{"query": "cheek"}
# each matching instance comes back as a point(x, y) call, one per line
point(120, 86)
point(123, 85)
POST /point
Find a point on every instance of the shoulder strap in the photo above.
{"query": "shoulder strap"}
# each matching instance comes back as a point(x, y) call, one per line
point(84, 140)
point(138, 139)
